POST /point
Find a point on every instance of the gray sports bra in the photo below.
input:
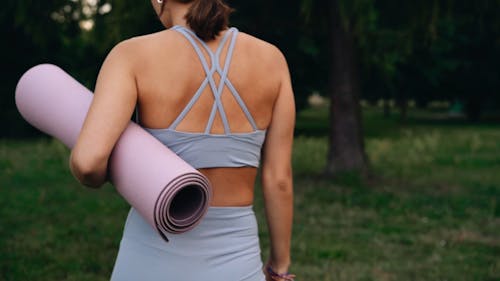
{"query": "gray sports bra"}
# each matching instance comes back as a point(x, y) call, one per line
point(206, 150)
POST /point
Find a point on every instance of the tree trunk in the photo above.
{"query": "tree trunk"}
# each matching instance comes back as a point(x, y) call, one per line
point(403, 108)
point(387, 108)
point(346, 145)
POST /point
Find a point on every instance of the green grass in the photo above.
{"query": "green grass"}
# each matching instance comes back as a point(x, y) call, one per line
point(430, 212)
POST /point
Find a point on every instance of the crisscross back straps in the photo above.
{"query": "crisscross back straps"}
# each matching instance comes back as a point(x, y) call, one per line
point(209, 79)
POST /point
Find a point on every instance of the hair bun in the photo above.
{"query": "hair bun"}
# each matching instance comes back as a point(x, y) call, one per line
point(207, 18)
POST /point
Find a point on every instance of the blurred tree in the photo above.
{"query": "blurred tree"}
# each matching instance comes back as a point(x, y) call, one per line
point(421, 50)
point(126, 19)
point(61, 32)
point(469, 38)
point(346, 145)
point(449, 51)
point(31, 35)
point(343, 23)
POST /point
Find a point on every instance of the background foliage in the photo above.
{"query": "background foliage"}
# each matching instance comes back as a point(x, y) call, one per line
point(413, 50)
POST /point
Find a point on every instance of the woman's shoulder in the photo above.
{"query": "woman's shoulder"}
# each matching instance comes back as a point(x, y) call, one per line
point(151, 40)
point(258, 44)
point(141, 47)
point(258, 48)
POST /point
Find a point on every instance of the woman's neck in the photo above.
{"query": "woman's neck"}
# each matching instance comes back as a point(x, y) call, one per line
point(176, 12)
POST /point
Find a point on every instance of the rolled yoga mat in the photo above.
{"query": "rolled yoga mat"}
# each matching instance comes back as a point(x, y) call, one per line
point(170, 194)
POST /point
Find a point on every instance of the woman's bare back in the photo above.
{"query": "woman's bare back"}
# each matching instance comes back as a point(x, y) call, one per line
point(168, 73)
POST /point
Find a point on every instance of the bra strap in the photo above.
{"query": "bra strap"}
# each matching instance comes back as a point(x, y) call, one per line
point(217, 90)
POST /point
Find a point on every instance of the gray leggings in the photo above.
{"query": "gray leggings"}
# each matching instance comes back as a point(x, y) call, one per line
point(224, 246)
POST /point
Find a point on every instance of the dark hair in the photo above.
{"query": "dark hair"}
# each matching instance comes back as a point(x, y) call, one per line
point(207, 17)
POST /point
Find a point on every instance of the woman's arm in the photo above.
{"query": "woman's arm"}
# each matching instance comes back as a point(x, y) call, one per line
point(277, 173)
point(114, 101)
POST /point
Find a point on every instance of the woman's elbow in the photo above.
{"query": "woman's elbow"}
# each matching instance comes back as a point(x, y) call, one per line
point(281, 183)
point(88, 170)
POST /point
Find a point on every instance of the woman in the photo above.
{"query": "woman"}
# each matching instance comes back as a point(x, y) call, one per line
point(215, 97)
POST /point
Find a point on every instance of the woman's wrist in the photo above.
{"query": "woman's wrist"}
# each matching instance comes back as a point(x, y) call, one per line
point(279, 266)
point(278, 275)
point(278, 269)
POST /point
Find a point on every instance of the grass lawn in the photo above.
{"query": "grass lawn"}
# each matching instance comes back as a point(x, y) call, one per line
point(430, 212)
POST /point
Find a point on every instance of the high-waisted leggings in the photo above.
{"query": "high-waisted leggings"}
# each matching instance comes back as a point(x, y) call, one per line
point(223, 247)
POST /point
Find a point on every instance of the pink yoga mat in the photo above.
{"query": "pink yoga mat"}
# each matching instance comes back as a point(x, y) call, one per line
point(170, 194)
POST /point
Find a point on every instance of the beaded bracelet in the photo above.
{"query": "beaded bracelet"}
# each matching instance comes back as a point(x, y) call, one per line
point(278, 277)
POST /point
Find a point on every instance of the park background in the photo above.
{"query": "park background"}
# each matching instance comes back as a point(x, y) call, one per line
point(397, 151)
